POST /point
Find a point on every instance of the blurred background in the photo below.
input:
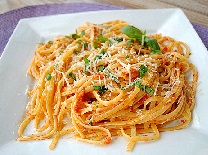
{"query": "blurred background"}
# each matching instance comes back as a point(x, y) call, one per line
point(195, 10)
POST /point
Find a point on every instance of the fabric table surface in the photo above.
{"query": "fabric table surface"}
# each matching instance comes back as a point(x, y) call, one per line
point(9, 20)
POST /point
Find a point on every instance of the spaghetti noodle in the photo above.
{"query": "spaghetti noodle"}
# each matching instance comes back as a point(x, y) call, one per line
point(108, 80)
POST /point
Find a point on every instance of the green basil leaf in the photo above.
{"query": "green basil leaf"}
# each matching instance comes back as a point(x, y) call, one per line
point(152, 43)
point(156, 52)
point(75, 36)
point(128, 43)
point(132, 32)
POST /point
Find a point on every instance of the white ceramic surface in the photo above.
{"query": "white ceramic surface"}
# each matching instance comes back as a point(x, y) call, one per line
point(20, 50)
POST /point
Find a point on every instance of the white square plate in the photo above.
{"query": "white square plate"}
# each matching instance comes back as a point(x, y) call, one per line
point(20, 50)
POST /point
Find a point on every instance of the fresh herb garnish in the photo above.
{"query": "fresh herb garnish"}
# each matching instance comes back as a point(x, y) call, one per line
point(76, 51)
point(111, 76)
point(149, 90)
point(152, 43)
point(82, 33)
point(68, 37)
point(127, 56)
point(138, 84)
point(48, 77)
point(50, 42)
point(87, 63)
point(128, 43)
point(97, 57)
point(118, 39)
point(128, 86)
point(100, 39)
point(102, 51)
point(133, 32)
point(95, 45)
point(72, 76)
point(143, 70)
point(56, 65)
point(101, 68)
point(156, 52)
point(90, 123)
point(101, 89)
point(78, 41)
point(75, 36)
point(85, 45)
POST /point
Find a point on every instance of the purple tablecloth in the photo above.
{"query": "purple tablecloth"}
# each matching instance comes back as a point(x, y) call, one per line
point(9, 20)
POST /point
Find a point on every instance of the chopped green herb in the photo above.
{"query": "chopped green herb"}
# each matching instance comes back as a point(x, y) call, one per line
point(50, 42)
point(138, 84)
point(85, 45)
point(56, 65)
point(127, 56)
point(82, 33)
point(111, 76)
point(78, 41)
point(128, 43)
point(102, 51)
point(72, 76)
point(95, 45)
point(128, 86)
point(75, 36)
point(149, 90)
point(87, 63)
point(101, 89)
point(90, 123)
point(60, 52)
point(143, 70)
point(97, 57)
point(100, 39)
point(68, 37)
point(101, 68)
point(76, 51)
point(48, 77)
point(118, 39)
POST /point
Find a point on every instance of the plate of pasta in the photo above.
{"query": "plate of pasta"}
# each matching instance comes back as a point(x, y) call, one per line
point(116, 82)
